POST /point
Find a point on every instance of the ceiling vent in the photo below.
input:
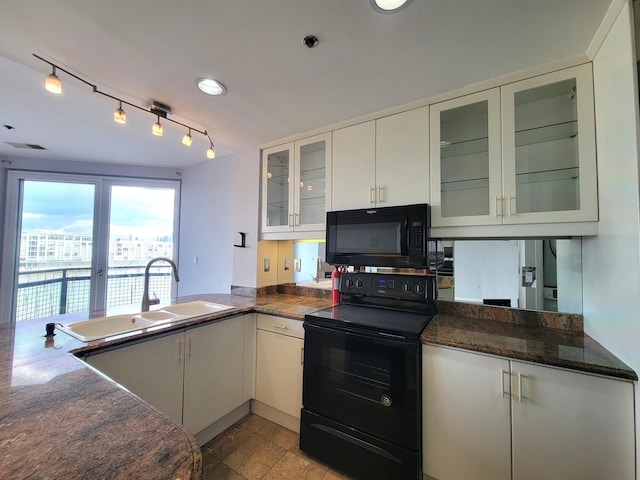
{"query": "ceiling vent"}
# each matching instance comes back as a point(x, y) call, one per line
point(29, 146)
point(160, 109)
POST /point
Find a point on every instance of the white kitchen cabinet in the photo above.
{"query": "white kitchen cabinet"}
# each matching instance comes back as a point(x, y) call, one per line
point(523, 153)
point(213, 372)
point(195, 376)
point(279, 362)
point(383, 162)
point(152, 369)
point(295, 190)
point(558, 423)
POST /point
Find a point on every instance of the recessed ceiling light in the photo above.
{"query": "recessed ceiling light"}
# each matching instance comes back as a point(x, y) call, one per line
point(389, 6)
point(210, 86)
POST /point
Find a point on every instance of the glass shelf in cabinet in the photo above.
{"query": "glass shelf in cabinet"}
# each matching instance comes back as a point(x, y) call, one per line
point(464, 147)
point(558, 175)
point(469, 184)
point(547, 133)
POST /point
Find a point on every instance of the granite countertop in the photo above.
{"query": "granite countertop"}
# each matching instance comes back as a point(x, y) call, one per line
point(540, 337)
point(61, 419)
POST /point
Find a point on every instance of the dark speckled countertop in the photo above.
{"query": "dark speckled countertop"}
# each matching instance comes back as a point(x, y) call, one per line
point(61, 419)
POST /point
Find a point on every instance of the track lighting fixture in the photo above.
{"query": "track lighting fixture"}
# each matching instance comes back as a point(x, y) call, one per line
point(119, 115)
point(186, 140)
point(54, 85)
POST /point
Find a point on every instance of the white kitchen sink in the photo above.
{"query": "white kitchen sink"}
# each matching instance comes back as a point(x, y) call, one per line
point(103, 327)
point(194, 309)
point(98, 328)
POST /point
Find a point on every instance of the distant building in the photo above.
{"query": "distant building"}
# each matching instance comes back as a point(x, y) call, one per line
point(39, 250)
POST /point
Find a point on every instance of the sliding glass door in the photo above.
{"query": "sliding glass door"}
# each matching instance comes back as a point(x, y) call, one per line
point(77, 244)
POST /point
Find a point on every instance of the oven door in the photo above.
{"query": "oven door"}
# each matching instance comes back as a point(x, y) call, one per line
point(367, 382)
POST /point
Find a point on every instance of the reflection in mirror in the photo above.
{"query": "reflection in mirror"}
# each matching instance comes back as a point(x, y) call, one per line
point(533, 274)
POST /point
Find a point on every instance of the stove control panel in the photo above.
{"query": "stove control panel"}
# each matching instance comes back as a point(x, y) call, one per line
point(408, 287)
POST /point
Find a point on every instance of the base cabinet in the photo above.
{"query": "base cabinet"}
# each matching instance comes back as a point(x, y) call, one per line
point(487, 417)
point(195, 376)
point(279, 356)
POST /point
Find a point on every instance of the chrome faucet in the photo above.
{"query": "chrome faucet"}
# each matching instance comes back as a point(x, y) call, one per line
point(145, 294)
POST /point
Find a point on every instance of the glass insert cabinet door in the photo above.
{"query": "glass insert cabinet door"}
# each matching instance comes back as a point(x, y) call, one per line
point(549, 148)
point(311, 184)
point(277, 177)
point(466, 161)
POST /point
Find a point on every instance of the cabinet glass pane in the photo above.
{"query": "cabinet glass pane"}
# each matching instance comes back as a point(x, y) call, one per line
point(546, 141)
point(312, 183)
point(278, 188)
point(464, 160)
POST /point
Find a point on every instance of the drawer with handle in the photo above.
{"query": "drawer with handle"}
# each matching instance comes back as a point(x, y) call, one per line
point(284, 326)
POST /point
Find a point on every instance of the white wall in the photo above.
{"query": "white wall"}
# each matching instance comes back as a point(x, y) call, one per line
point(246, 217)
point(611, 261)
point(206, 227)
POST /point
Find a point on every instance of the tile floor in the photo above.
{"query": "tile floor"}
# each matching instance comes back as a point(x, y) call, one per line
point(257, 449)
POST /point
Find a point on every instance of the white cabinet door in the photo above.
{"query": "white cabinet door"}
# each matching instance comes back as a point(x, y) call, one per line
point(571, 425)
point(466, 167)
point(548, 144)
point(353, 173)
point(279, 371)
point(152, 369)
point(466, 425)
point(402, 158)
point(214, 368)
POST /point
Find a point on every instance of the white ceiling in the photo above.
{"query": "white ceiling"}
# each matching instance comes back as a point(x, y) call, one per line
point(154, 49)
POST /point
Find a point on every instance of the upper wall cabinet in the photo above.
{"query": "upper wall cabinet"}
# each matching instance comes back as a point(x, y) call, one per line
point(521, 154)
point(383, 162)
point(295, 192)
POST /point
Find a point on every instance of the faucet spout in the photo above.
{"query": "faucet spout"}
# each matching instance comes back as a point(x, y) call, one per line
point(145, 294)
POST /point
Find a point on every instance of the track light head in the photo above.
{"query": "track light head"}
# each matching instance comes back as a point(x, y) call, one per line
point(157, 128)
point(52, 83)
point(211, 153)
point(119, 115)
point(186, 140)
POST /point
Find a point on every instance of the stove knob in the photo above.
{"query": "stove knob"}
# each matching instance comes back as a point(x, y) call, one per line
point(386, 400)
point(359, 283)
point(407, 287)
point(419, 288)
point(349, 282)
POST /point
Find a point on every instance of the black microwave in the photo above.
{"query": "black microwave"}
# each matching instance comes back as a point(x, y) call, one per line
point(380, 237)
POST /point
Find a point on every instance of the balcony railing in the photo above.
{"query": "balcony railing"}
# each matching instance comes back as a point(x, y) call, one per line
point(47, 292)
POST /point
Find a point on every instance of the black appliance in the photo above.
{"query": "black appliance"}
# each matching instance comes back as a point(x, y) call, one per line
point(362, 395)
point(380, 237)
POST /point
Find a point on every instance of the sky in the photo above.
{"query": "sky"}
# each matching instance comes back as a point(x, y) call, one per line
point(67, 208)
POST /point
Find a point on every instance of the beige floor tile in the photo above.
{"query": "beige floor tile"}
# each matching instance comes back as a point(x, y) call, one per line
point(255, 457)
point(281, 436)
point(253, 423)
point(227, 442)
point(292, 467)
point(220, 472)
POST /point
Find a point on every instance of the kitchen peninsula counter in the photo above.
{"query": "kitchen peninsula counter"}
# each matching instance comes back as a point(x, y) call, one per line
point(61, 419)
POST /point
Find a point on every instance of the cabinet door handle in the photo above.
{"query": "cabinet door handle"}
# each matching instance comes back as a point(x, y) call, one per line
point(498, 206)
point(511, 207)
point(297, 219)
point(380, 194)
point(290, 220)
point(372, 194)
point(180, 351)
point(519, 386)
point(277, 325)
point(301, 355)
point(189, 347)
point(502, 392)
